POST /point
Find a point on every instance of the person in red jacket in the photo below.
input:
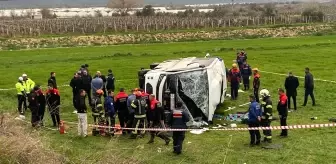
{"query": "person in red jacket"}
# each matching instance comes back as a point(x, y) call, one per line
point(121, 108)
point(283, 111)
point(53, 103)
point(256, 83)
point(234, 78)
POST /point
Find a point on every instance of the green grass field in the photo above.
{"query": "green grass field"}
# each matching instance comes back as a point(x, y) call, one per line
point(278, 55)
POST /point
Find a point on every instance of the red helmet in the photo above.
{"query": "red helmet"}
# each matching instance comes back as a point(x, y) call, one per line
point(100, 92)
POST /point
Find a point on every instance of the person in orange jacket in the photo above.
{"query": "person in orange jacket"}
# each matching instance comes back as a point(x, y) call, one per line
point(256, 83)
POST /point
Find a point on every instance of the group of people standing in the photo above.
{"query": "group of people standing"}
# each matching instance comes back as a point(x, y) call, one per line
point(27, 91)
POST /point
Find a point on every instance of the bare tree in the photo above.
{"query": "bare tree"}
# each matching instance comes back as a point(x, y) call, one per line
point(124, 5)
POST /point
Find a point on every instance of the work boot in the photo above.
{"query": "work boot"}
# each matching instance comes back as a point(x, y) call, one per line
point(151, 140)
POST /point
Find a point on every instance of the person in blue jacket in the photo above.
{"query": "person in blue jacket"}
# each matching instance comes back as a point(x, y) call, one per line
point(254, 118)
point(110, 111)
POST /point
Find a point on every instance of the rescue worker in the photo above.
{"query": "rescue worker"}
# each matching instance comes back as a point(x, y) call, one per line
point(139, 106)
point(34, 106)
point(98, 112)
point(267, 114)
point(246, 73)
point(234, 78)
point(104, 82)
point(291, 84)
point(146, 97)
point(86, 82)
point(283, 111)
point(241, 58)
point(42, 105)
point(254, 119)
point(81, 112)
point(53, 103)
point(21, 97)
point(97, 84)
point(52, 79)
point(256, 83)
point(178, 120)
point(28, 83)
point(76, 85)
point(110, 112)
point(156, 120)
point(121, 108)
point(309, 87)
point(110, 81)
point(130, 117)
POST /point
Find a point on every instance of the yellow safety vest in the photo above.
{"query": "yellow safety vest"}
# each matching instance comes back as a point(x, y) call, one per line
point(19, 88)
point(29, 84)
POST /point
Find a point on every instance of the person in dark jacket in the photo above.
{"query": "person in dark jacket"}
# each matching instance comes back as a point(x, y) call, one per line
point(81, 112)
point(42, 104)
point(52, 79)
point(256, 83)
point(76, 85)
point(283, 111)
point(178, 120)
point(139, 106)
point(309, 87)
point(110, 81)
point(156, 120)
point(86, 81)
point(53, 103)
point(110, 112)
point(241, 58)
point(254, 119)
point(121, 108)
point(104, 82)
point(130, 118)
point(291, 84)
point(234, 78)
point(246, 73)
point(34, 106)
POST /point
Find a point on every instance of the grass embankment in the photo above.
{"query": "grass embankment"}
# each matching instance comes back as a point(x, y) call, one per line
point(274, 55)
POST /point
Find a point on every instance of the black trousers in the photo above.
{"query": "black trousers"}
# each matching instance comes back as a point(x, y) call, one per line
point(289, 96)
point(105, 93)
point(55, 116)
point(41, 112)
point(123, 118)
point(162, 135)
point(234, 91)
point(22, 101)
point(267, 133)
point(256, 93)
point(74, 95)
point(130, 121)
point(246, 82)
point(178, 138)
point(283, 122)
point(34, 116)
point(88, 93)
point(309, 92)
point(254, 134)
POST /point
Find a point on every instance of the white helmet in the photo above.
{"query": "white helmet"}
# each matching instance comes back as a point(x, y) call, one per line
point(24, 75)
point(20, 79)
point(264, 93)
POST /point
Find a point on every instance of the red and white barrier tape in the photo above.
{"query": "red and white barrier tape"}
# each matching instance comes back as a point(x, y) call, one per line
point(223, 129)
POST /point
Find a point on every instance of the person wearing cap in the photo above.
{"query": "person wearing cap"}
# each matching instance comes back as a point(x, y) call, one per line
point(156, 117)
point(28, 83)
point(234, 79)
point(34, 105)
point(130, 117)
point(178, 120)
point(53, 103)
point(104, 82)
point(86, 83)
point(254, 119)
point(97, 84)
point(121, 108)
point(110, 81)
point(139, 105)
point(256, 83)
point(52, 79)
point(76, 84)
point(21, 96)
point(291, 85)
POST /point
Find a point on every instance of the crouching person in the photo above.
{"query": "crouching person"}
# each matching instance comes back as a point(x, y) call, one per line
point(178, 120)
point(81, 112)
